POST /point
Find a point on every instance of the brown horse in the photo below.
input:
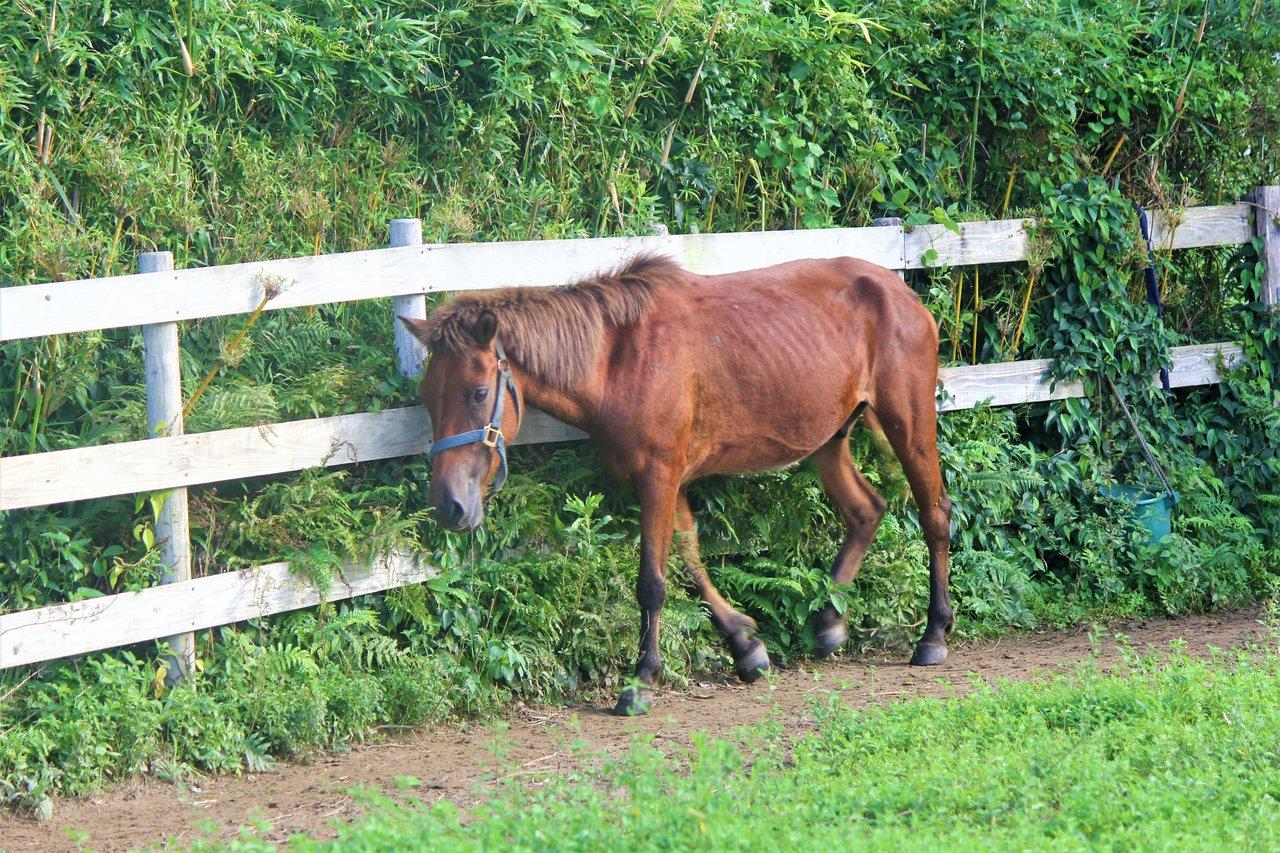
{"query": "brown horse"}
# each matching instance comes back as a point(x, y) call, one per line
point(676, 376)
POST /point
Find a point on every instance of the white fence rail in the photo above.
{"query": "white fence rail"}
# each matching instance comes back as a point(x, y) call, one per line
point(155, 297)
point(63, 630)
point(407, 271)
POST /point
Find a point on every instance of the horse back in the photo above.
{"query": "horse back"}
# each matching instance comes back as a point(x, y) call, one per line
point(754, 370)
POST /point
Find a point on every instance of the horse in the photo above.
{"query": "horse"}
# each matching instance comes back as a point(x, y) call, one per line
point(676, 376)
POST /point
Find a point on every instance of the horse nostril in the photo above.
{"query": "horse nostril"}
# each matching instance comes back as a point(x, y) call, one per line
point(451, 512)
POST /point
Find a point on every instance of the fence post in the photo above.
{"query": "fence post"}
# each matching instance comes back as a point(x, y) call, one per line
point(892, 222)
point(1266, 224)
point(164, 417)
point(408, 232)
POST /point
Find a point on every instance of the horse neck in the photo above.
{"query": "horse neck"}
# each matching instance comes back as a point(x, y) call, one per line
point(576, 406)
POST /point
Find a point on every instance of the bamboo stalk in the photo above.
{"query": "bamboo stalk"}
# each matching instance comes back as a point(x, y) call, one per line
point(764, 195)
point(1124, 137)
point(51, 392)
point(666, 146)
point(115, 244)
point(46, 149)
point(697, 75)
point(20, 380)
point(1022, 319)
point(533, 218)
point(955, 326)
point(617, 205)
point(38, 385)
point(977, 310)
point(977, 101)
point(693, 85)
point(1008, 191)
point(268, 294)
point(188, 66)
point(1181, 100)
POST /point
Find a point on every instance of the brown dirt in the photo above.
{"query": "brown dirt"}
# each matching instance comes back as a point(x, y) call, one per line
point(458, 762)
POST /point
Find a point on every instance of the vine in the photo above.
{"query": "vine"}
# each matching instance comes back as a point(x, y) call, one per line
point(1096, 331)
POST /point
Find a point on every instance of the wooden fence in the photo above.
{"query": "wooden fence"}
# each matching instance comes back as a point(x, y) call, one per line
point(159, 297)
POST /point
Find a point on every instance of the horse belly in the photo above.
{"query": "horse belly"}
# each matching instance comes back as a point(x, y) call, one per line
point(776, 370)
point(764, 426)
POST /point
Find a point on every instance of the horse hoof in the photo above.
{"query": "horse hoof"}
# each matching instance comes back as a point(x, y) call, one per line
point(831, 638)
point(633, 703)
point(754, 663)
point(929, 654)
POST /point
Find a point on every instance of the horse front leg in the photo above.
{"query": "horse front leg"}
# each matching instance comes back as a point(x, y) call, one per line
point(657, 515)
point(750, 657)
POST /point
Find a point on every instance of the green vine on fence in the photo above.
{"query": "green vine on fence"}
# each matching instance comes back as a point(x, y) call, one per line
point(1096, 329)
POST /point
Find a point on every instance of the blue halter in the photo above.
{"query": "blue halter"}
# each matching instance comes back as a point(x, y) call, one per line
point(490, 435)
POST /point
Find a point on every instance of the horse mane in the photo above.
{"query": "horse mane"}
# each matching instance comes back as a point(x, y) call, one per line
point(554, 333)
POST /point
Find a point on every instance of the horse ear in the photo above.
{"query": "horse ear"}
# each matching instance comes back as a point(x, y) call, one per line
point(486, 326)
point(418, 328)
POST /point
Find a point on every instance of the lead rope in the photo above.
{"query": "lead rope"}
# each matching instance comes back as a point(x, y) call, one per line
point(1124, 407)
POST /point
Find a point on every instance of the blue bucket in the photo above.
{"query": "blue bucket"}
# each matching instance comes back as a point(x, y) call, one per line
point(1152, 510)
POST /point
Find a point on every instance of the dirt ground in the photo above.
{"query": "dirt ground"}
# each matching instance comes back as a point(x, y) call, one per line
point(459, 762)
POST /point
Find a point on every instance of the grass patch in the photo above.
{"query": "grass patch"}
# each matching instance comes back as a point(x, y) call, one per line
point(1165, 752)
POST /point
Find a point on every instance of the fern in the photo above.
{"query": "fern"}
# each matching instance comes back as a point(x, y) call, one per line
point(231, 407)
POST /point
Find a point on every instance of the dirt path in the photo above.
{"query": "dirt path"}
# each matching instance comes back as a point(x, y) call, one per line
point(456, 763)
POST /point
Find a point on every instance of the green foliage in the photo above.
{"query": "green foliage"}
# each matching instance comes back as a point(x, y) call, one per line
point(229, 132)
point(1165, 752)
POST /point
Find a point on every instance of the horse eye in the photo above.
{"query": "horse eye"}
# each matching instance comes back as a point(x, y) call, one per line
point(478, 395)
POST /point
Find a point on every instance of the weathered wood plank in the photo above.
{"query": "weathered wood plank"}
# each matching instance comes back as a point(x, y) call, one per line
point(1007, 240)
point(62, 630)
point(143, 466)
point(1016, 382)
point(1198, 364)
point(106, 303)
point(895, 222)
point(1008, 384)
point(480, 266)
point(1216, 225)
point(994, 242)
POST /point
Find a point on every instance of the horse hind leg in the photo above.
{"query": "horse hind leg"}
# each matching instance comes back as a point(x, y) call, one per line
point(862, 509)
point(910, 424)
point(750, 657)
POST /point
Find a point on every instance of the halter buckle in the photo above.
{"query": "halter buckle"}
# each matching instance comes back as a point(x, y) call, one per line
point(491, 436)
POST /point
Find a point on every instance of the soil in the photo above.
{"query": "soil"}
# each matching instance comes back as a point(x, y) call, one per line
point(459, 763)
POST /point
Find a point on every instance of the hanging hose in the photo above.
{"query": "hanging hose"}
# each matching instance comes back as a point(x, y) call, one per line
point(1153, 285)
point(1146, 450)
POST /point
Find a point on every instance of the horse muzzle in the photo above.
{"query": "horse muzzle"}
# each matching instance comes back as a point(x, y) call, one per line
point(459, 513)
